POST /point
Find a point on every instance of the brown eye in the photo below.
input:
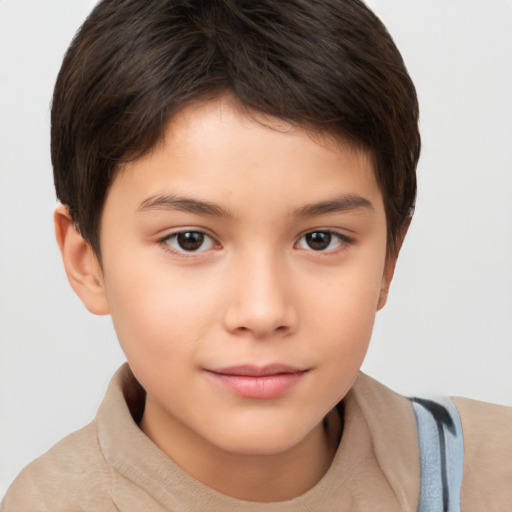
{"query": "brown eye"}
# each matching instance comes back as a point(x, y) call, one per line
point(325, 241)
point(318, 240)
point(190, 241)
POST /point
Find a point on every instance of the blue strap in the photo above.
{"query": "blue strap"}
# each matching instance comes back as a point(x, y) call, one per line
point(441, 454)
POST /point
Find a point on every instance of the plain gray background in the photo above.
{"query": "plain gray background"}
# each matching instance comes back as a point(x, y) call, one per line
point(448, 325)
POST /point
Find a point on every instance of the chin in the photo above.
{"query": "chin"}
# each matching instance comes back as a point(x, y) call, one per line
point(266, 442)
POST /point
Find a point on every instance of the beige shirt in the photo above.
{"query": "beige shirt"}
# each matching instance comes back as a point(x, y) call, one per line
point(110, 465)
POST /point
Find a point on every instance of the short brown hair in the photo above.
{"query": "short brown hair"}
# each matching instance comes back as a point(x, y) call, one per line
point(326, 64)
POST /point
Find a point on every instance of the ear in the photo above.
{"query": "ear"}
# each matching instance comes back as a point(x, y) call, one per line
point(80, 262)
point(389, 266)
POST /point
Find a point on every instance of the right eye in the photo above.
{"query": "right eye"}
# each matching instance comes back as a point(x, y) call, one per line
point(189, 241)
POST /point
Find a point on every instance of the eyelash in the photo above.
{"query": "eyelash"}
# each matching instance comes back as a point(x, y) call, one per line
point(165, 242)
point(343, 240)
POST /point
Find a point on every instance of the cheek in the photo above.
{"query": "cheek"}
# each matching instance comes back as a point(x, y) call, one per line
point(343, 309)
point(347, 328)
point(156, 313)
point(344, 345)
point(347, 297)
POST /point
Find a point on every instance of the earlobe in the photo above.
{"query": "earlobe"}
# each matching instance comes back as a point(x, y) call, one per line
point(80, 262)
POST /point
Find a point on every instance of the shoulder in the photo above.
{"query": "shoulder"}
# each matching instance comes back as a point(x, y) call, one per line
point(72, 475)
point(487, 475)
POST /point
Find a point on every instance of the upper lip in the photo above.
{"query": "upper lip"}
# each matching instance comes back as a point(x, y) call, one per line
point(249, 370)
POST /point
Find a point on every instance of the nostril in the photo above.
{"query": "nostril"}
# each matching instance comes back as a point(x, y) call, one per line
point(261, 308)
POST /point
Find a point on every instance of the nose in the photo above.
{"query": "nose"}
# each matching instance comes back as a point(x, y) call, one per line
point(260, 302)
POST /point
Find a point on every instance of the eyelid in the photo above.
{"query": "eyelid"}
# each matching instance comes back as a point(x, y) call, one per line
point(183, 253)
point(342, 237)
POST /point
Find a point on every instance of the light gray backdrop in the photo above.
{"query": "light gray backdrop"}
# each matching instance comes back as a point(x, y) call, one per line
point(448, 325)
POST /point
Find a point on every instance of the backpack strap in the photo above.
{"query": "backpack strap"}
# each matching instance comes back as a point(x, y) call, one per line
point(441, 454)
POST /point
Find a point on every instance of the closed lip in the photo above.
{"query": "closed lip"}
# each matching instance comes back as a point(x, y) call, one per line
point(258, 382)
point(248, 370)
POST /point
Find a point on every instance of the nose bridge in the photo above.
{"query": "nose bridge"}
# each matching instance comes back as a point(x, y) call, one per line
point(261, 301)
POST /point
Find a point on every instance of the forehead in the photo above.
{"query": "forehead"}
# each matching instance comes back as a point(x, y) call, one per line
point(233, 120)
point(220, 150)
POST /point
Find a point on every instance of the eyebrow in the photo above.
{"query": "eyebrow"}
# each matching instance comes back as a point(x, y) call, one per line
point(182, 204)
point(339, 204)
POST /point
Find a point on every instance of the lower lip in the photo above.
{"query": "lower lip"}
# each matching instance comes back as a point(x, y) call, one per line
point(263, 386)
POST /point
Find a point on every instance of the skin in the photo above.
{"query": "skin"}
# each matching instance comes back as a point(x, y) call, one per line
point(255, 292)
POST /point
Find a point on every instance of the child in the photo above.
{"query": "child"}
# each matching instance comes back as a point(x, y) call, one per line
point(236, 180)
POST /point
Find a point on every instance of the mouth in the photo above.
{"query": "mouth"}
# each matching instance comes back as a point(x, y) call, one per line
point(258, 382)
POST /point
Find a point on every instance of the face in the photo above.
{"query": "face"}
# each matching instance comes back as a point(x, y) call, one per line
point(243, 263)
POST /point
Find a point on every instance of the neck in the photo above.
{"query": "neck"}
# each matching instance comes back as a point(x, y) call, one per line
point(262, 478)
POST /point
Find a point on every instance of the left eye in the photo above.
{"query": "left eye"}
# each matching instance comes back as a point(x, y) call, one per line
point(321, 241)
point(190, 241)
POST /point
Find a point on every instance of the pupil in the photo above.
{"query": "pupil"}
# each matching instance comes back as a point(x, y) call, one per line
point(191, 240)
point(318, 240)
